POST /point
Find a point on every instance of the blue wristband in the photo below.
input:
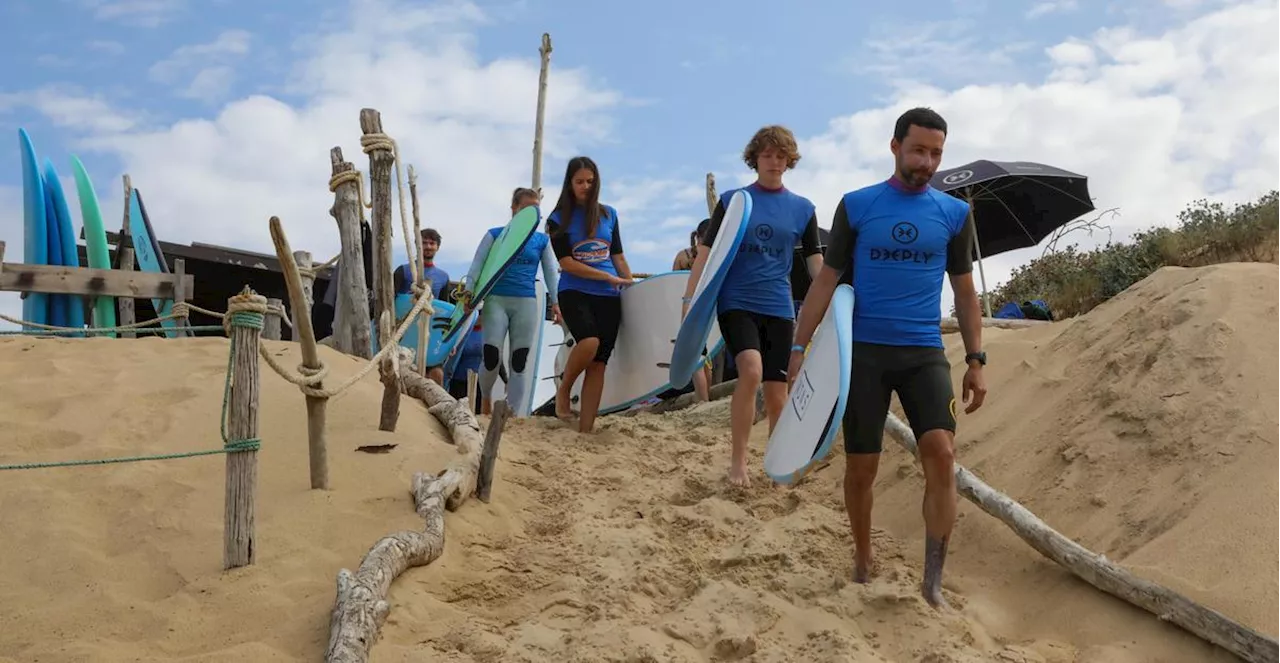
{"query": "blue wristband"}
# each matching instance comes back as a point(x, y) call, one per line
point(797, 348)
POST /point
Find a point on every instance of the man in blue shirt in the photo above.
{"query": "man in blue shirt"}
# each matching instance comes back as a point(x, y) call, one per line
point(898, 237)
point(755, 309)
point(402, 281)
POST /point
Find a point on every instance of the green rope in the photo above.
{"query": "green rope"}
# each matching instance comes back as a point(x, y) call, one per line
point(249, 319)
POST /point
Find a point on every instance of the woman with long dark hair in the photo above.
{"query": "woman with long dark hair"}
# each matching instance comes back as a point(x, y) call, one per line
point(593, 270)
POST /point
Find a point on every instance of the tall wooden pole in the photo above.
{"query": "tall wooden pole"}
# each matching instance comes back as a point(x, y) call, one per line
point(545, 52)
point(381, 160)
point(351, 306)
point(242, 424)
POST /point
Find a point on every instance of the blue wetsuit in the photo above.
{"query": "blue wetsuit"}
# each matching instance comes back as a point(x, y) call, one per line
point(899, 242)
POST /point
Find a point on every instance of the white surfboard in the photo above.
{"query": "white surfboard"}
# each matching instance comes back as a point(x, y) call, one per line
point(692, 336)
point(638, 369)
point(816, 404)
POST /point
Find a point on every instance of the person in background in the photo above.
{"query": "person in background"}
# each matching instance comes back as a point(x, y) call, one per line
point(684, 259)
point(438, 278)
point(470, 362)
point(755, 306)
point(593, 270)
point(511, 313)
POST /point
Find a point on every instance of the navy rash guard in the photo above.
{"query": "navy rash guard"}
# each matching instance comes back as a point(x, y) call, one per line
point(759, 277)
point(899, 242)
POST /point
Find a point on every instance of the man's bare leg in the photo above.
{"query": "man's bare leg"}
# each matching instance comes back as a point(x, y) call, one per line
point(742, 413)
point(859, 478)
point(775, 398)
point(937, 456)
point(701, 388)
point(436, 374)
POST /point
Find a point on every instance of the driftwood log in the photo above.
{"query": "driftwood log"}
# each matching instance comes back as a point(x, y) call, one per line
point(361, 605)
point(351, 306)
point(381, 161)
point(1097, 570)
point(305, 335)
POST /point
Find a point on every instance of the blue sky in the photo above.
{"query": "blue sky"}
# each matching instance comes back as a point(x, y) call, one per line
point(223, 111)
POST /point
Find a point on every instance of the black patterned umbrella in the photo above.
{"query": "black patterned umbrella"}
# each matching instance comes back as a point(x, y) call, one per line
point(1015, 204)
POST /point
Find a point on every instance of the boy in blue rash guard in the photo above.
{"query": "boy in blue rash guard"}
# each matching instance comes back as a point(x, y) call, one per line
point(756, 311)
point(511, 310)
point(898, 238)
point(593, 270)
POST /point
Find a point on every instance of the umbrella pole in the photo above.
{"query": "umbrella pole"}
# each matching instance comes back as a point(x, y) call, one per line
point(982, 275)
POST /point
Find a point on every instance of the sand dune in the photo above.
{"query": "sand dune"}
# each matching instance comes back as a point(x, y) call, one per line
point(1147, 430)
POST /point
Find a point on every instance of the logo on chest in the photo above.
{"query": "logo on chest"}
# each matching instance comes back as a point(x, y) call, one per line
point(763, 234)
point(904, 246)
point(591, 251)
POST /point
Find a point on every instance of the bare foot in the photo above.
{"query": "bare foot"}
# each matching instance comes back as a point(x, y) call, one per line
point(861, 573)
point(563, 410)
point(738, 476)
point(935, 554)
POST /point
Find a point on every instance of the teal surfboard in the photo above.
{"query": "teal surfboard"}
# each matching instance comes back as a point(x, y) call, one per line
point(148, 256)
point(53, 252)
point(502, 253)
point(35, 241)
point(95, 240)
point(59, 216)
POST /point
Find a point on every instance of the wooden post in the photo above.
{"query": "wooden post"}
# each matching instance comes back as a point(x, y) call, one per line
point(125, 304)
point(712, 198)
point(271, 325)
point(473, 388)
point(351, 306)
point(179, 296)
point(242, 424)
point(1100, 572)
point(545, 52)
point(381, 160)
point(489, 454)
point(420, 355)
point(306, 337)
point(307, 271)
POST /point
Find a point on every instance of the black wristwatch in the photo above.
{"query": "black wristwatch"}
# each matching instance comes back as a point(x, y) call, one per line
point(980, 357)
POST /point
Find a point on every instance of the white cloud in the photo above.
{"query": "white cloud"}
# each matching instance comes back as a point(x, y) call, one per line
point(943, 52)
point(211, 63)
point(140, 13)
point(1052, 7)
point(106, 46)
point(1154, 122)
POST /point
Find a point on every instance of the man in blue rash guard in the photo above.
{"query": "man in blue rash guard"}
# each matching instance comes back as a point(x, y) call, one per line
point(756, 312)
point(511, 311)
point(402, 279)
point(899, 237)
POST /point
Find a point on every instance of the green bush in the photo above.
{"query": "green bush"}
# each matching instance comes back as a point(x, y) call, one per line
point(1073, 282)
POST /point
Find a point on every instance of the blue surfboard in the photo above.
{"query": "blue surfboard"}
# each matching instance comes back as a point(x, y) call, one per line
point(437, 349)
point(53, 250)
point(146, 251)
point(35, 240)
point(686, 355)
point(815, 406)
point(59, 216)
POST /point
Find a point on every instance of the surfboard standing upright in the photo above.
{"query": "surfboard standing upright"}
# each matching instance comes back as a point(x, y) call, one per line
point(35, 241)
point(686, 355)
point(149, 256)
point(815, 407)
point(95, 241)
point(69, 255)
